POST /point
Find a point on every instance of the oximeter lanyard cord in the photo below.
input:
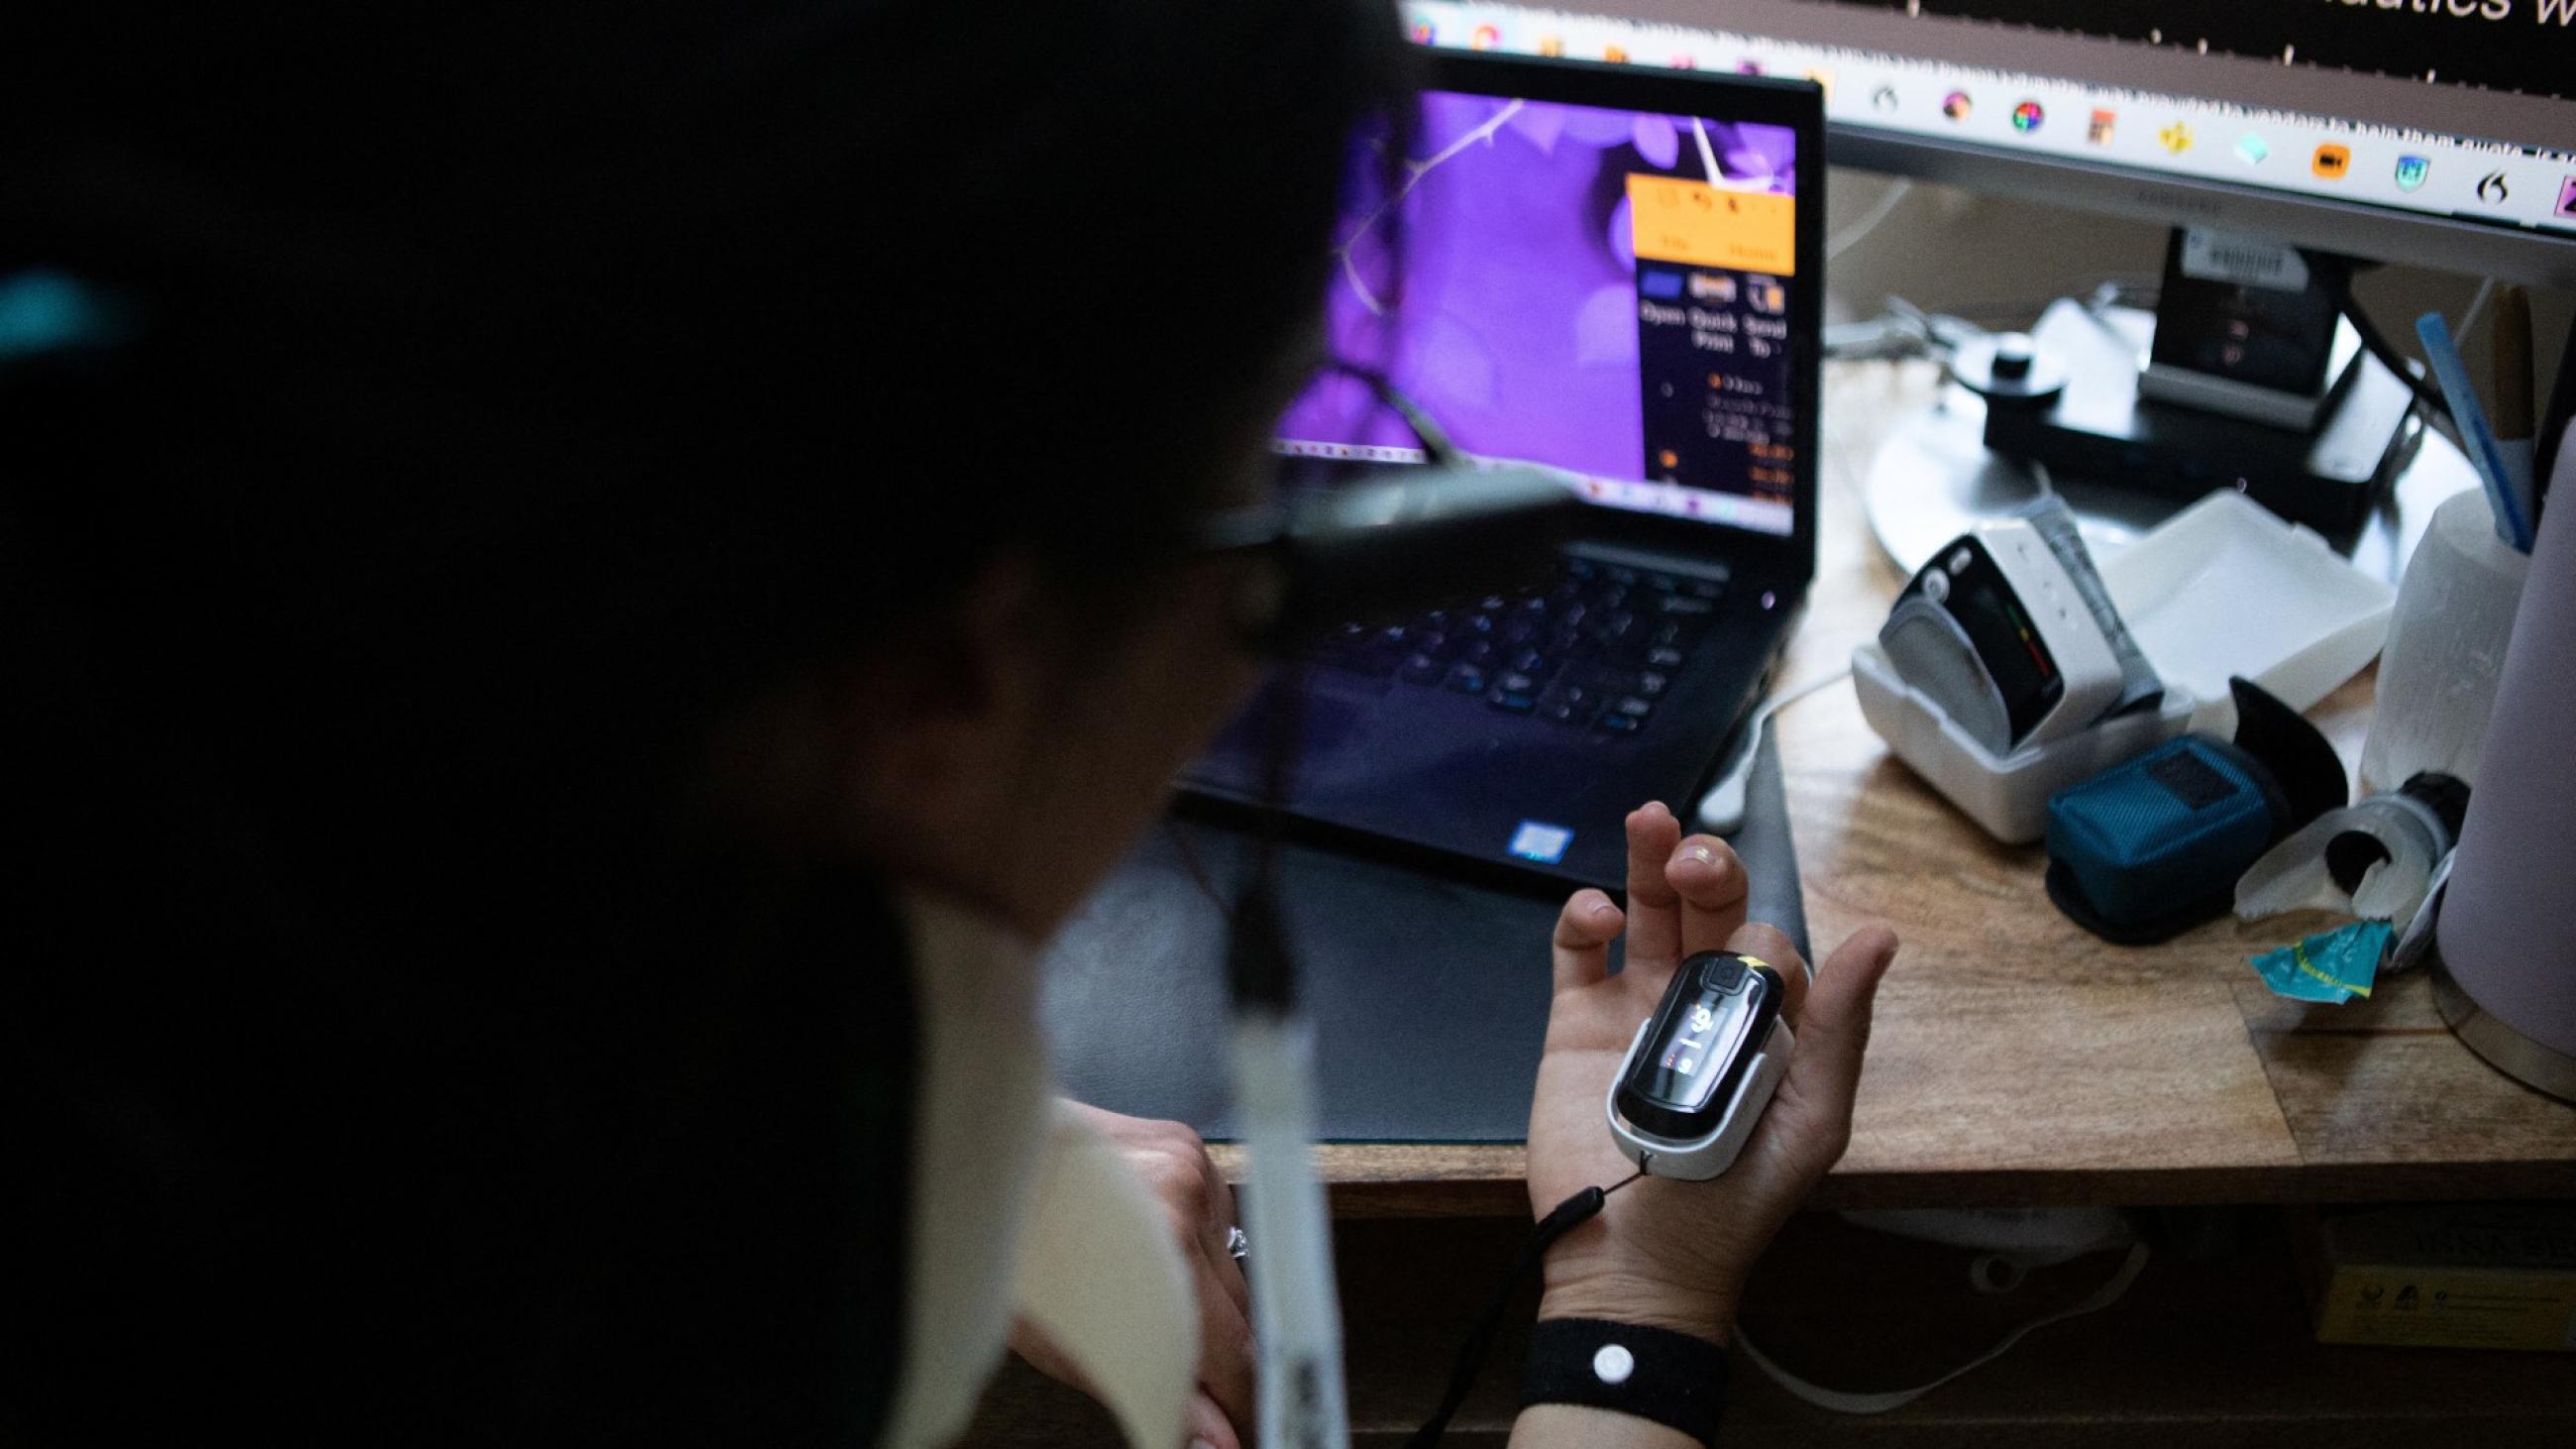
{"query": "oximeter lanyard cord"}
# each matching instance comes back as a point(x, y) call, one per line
point(1568, 1215)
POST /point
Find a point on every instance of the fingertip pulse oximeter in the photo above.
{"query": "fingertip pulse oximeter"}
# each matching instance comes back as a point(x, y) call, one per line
point(1702, 1068)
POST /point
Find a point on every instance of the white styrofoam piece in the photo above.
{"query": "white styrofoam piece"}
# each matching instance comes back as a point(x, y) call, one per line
point(2226, 588)
point(2223, 588)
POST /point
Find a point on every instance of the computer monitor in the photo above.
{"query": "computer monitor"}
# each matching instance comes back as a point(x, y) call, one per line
point(2440, 133)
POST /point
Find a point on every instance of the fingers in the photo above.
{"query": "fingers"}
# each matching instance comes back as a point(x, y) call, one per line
point(1713, 888)
point(1209, 1427)
point(1175, 1164)
point(1201, 1206)
point(1584, 931)
point(1220, 1222)
point(1767, 944)
point(1824, 1068)
point(1225, 1348)
point(1654, 907)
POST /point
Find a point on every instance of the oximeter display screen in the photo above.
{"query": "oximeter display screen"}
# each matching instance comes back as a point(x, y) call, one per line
point(1714, 1017)
point(2005, 637)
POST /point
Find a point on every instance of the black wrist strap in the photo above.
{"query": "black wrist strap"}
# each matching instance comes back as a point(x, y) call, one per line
point(1650, 1373)
point(1568, 1215)
point(1479, 1339)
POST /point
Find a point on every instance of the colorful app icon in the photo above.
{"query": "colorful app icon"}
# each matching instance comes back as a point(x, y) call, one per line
point(1551, 45)
point(2251, 150)
point(1956, 105)
point(1615, 54)
point(1425, 33)
point(2332, 160)
point(2411, 171)
point(2174, 136)
point(1485, 37)
point(2492, 189)
point(2567, 199)
point(1685, 62)
point(2098, 131)
point(2027, 117)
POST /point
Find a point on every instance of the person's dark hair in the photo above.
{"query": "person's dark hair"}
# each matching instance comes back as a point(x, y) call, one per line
point(507, 390)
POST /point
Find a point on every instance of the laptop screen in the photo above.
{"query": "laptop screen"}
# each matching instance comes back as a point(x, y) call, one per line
point(1604, 291)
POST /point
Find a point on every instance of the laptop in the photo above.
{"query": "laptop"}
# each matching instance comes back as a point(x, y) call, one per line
point(1616, 272)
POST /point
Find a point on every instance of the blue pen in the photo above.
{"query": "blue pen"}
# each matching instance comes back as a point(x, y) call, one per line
point(2475, 436)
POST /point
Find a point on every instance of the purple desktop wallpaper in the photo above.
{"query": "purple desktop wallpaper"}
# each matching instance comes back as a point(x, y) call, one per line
point(1512, 316)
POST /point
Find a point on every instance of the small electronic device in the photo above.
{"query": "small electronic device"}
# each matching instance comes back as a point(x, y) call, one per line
point(1702, 1068)
point(2010, 631)
point(2247, 327)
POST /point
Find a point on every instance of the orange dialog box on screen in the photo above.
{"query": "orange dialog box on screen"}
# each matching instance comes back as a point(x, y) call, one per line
point(1674, 219)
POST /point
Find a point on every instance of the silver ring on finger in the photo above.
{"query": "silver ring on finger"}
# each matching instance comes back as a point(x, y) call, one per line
point(1237, 1246)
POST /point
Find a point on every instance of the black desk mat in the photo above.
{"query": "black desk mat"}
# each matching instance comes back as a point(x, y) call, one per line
point(1428, 988)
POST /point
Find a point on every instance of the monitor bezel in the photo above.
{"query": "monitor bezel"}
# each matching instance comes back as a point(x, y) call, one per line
point(2348, 228)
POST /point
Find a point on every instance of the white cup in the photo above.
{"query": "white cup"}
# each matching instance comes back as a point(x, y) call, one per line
point(2446, 638)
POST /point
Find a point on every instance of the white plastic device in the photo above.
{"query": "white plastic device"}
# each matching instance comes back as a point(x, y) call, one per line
point(2222, 589)
point(1709, 1155)
point(1701, 1069)
point(1999, 629)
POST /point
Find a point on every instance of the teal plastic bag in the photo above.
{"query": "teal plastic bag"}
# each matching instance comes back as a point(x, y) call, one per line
point(2332, 968)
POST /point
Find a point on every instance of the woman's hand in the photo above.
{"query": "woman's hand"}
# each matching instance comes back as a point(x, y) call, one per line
point(1666, 1253)
point(1173, 1164)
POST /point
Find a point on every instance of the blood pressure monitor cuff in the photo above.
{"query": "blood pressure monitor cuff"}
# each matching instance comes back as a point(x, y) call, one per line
point(2152, 847)
point(1931, 652)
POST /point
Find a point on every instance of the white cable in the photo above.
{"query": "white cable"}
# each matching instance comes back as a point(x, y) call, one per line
point(1879, 1403)
point(1722, 808)
point(2474, 313)
point(1851, 236)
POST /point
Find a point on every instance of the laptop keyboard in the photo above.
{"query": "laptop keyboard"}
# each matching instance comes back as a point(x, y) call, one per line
point(1594, 648)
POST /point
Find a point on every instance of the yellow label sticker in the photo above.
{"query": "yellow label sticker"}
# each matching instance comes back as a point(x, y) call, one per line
point(1674, 219)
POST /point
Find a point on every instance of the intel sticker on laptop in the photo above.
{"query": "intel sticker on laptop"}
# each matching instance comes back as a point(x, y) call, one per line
point(1541, 842)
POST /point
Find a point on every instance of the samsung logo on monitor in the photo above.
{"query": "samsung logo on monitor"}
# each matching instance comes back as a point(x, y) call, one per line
point(2171, 202)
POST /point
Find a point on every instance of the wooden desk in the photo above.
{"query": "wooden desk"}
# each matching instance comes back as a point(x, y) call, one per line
point(2018, 1060)
point(2015, 1061)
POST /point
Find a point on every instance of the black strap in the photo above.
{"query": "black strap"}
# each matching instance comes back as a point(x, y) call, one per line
point(1567, 1216)
point(1651, 1373)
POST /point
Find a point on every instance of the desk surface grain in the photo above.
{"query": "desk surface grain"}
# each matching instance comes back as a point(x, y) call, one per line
point(2018, 1060)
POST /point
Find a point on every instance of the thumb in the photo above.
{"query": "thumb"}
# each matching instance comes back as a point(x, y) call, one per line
point(1833, 1033)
